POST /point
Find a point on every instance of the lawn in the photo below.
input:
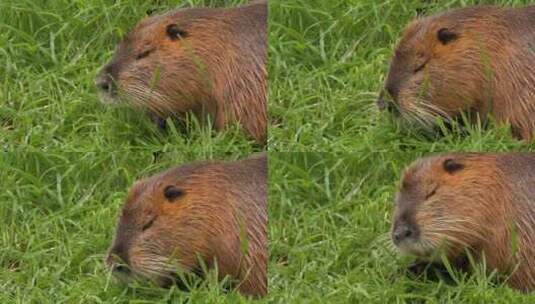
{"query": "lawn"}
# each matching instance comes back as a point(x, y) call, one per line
point(330, 212)
point(67, 161)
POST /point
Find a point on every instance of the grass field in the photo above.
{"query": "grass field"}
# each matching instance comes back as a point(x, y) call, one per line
point(67, 160)
point(330, 212)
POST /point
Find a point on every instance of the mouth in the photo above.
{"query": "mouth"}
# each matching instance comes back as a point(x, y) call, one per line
point(107, 97)
point(183, 280)
point(122, 272)
point(416, 248)
point(388, 105)
point(107, 90)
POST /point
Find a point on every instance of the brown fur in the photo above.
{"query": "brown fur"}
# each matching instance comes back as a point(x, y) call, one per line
point(217, 69)
point(221, 217)
point(486, 205)
point(487, 68)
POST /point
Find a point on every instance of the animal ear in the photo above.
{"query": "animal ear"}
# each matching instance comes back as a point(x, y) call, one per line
point(451, 166)
point(174, 32)
point(446, 35)
point(171, 193)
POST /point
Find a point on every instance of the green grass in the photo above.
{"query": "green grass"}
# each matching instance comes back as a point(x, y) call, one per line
point(330, 212)
point(67, 161)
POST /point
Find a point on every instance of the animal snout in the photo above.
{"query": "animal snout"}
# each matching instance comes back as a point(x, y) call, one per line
point(385, 102)
point(105, 80)
point(403, 231)
point(117, 259)
point(104, 83)
point(392, 90)
point(120, 268)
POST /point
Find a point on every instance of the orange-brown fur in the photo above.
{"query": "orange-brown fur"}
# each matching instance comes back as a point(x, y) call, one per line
point(217, 68)
point(486, 206)
point(220, 217)
point(486, 68)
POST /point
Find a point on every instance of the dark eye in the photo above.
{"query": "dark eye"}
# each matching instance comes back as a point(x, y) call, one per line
point(148, 224)
point(171, 193)
point(446, 35)
point(143, 54)
point(174, 32)
point(451, 166)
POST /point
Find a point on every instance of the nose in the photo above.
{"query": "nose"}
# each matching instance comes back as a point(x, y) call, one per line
point(104, 80)
point(384, 102)
point(392, 89)
point(117, 255)
point(403, 231)
point(104, 83)
point(117, 264)
point(381, 102)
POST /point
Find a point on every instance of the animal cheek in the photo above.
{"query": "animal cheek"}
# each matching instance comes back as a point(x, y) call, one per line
point(438, 212)
point(136, 258)
point(135, 75)
point(143, 256)
point(421, 86)
point(423, 218)
point(407, 98)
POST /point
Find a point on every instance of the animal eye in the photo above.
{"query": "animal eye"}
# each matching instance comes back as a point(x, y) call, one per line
point(174, 32)
point(172, 192)
point(148, 224)
point(446, 36)
point(451, 166)
point(143, 54)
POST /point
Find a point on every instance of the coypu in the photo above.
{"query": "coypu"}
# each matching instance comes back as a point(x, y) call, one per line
point(207, 61)
point(211, 212)
point(477, 203)
point(476, 60)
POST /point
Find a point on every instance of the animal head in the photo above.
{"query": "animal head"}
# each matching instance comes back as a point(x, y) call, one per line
point(172, 223)
point(445, 204)
point(441, 67)
point(162, 64)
